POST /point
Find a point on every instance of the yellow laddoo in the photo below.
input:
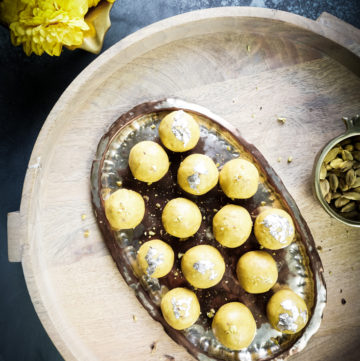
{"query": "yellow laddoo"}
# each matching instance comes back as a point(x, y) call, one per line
point(155, 258)
point(203, 266)
point(148, 161)
point(287, 312)
point(256, 271)
point(232, 225)
point(180, 308)
point(197, 174)
point(179, 131)
point(124, 209)
point(274, 228)
point(234, 326)
point(181, 218)
point(239, 179)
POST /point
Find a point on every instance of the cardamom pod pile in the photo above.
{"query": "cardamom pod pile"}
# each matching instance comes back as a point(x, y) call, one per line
point(340, 178)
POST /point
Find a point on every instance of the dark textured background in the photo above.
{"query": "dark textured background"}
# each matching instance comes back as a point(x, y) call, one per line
point(29, 87)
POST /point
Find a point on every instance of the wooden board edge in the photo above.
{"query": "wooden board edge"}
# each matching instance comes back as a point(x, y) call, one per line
point(15, 235)
point(339, 26)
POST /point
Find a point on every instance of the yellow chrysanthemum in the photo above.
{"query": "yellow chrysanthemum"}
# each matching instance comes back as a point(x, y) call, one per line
point(46, 25)
point(9, 10)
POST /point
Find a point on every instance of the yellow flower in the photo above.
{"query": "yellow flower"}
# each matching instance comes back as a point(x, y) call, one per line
point(9, 10)
point(46, 25)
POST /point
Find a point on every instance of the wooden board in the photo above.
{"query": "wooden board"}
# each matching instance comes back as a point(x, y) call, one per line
point(249, 66)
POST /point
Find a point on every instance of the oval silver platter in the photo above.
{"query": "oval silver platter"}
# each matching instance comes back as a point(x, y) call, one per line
point(299, 264)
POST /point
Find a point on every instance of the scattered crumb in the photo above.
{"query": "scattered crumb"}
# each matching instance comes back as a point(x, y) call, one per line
point(274, 254)
point(217, 165)
point(261, 247)
point(157, 205)
point(281, 120)
point(340, 290)
point(211, 313)
point(156, 195)
point(119, 183)
point(176, 273)
point(215, 210)
point(290, 159)
point(279, 159)
point(134, 318)
point(330, 272)
point(86, 233)
point(83, 216)
point(153, 347)
point(145, 233)
point(169, 357)
point(204, 217)
point(226, 281)
point(228, 148)
point(343, 301)
point(263, 203)
point(180, 255)
point(146, 198)
point(152, 126)
point(248, 48)
point(319, 248)
point(151, 233)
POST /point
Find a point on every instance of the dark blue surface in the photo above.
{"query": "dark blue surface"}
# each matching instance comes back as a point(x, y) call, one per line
point(29, 87)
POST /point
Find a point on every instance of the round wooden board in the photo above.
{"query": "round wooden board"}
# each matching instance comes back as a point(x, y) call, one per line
point(250, 66)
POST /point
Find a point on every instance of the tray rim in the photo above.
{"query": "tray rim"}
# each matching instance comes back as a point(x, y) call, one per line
point(20, 239)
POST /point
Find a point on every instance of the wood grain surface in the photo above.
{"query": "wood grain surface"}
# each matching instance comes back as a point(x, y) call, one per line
point(250, 66)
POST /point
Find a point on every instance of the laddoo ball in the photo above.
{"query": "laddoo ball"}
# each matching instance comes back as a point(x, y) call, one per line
point(181, 218)
point(234, 326)
point(203, 266)
point(197, 174)
point(179, 131)
point(256, 271)
point(155, 258)
point(239, 179)
point(124, 209)
point(180, 308)
point(287, 312)
point(274, 228)
point(148, 161)
point(232, 225)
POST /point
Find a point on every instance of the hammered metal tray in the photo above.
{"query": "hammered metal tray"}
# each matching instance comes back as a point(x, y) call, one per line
point(299, 264)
